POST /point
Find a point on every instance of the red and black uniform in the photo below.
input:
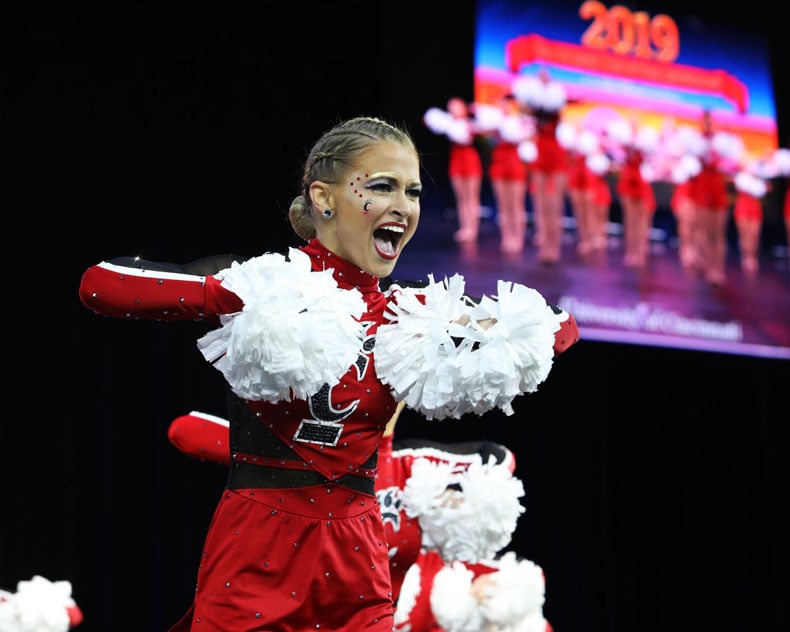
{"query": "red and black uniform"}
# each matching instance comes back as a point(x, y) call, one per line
point(297, 540)
point(421, 616)
point(205, 437)
point(396, 457)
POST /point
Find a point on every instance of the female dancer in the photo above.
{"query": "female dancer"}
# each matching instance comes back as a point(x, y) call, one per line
point(634, 189)
point(718, 153)
point(588, 191)
point(683, 210)
point(465, 167)
point(403, 464)
point(205, 437)
point(780, 167)
point(544, 99)
point(297, 541)
point(508, 174)
point(748, 216)
point(599, 165)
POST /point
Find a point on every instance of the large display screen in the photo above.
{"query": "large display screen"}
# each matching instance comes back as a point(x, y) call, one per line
point(645, 65)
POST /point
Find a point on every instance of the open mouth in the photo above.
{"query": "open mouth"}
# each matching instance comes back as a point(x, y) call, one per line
point(387, 238)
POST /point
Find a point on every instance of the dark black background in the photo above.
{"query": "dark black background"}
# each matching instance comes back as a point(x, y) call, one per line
point(656, 479)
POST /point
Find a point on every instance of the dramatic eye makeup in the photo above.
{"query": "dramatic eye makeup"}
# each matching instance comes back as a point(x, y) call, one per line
point(381, 183)
point(414, 191)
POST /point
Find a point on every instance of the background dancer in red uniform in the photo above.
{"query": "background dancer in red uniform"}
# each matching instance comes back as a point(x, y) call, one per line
point(634, 190)
point(544, 99)
point(297, 541)
point(719, 153)
point(465, 166)
point(747, 213)
point(460, 581)
point(507, 173)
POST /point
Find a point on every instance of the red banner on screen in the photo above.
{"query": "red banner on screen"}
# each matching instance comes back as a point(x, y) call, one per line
point(527, 49)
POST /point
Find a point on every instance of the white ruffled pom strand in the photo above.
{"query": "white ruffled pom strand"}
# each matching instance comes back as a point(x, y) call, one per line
point(452, 603)
point(517, 594)
point(436, 356)
point(39, 605)
point(296, 332)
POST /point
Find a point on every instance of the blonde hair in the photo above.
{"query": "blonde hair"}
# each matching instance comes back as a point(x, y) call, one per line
point(333, 156)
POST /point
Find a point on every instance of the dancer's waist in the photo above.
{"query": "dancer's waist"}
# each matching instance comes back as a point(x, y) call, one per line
point(250, 470)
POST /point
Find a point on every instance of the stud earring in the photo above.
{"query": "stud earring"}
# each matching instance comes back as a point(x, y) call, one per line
point(327, 212)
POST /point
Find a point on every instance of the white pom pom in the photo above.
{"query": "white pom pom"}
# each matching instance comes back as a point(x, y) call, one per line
point(418, 356)
point(518, 591)
point(409, 591)
point(782, 159)
point(459, 131)
point(471, 524)
point(516, 352)
point(488, 117)
point(741, 181)
point(452, 603)
point(410, 352)
point(750, 184)
point(766, 170)
point(437, 120)
point(566, 135)
point(527, 90)
point(598, 163)
point(39, 605)
point(297, 331)
point(689, 166)
point(514, 129)
point(527, 151)
point(533, 622)
point(427, 482)
point(620, 131)
point(554, 96)
point(647, 139)
point(587, 142)
point(647, 171)
point(728, 145)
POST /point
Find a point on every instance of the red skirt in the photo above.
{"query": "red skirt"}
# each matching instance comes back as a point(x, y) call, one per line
point(552, 157)
point(465, 161)
point(708, 189)
point(747, 207)
point(630, 183)
point(506, 164)
point(311, 558)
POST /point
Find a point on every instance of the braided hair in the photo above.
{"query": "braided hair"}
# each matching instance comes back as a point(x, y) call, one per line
point(333, 155)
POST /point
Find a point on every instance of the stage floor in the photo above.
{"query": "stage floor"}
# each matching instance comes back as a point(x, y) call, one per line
point(662, 304)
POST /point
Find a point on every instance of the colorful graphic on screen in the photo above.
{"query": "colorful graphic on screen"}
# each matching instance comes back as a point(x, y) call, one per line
point(617, 61)
point(669, 74)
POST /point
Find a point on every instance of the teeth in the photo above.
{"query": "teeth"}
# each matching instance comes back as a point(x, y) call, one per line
point(394, 229)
